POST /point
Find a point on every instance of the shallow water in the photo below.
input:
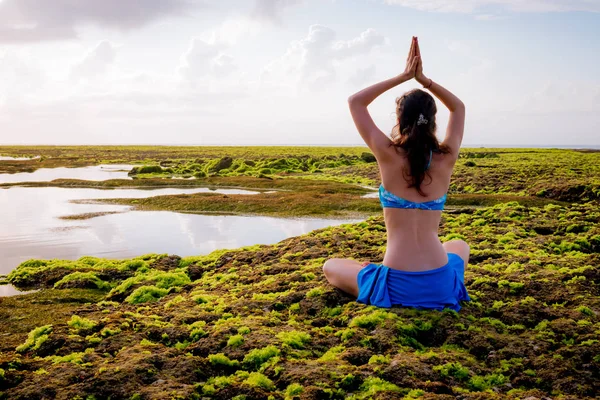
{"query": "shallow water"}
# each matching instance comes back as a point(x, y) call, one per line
point(372, 195)
point(10, 290)
point(94, 173)
point(7, 158)
point(31, 227)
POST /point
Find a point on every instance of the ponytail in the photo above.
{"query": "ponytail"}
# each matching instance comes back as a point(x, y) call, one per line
point(416, 134)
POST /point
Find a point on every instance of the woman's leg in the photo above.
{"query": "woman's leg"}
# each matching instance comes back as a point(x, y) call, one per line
point(342, 273)
point(459, 247)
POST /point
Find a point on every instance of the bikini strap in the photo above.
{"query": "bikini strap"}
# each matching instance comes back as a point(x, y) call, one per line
point(430, 156)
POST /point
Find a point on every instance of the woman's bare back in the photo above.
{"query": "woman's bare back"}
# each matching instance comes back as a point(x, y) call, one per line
point(412, 234)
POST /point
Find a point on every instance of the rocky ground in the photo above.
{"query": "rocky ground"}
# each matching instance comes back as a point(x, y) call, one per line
point(261, 322)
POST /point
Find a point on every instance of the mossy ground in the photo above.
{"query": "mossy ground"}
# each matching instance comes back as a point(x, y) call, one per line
point(568, 175)
point(262, 322)
point(325, 181)
point(77, 156)
point(311, 203)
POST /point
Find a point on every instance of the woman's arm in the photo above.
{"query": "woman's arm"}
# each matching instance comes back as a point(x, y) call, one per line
point(456, 123)
point(453, 103)
point(377, 141)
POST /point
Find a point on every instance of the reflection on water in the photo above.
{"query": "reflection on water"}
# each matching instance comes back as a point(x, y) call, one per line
point(30, 227)
point(94, 173)
point(372, 195)
point(7, 158)
point(10, 290)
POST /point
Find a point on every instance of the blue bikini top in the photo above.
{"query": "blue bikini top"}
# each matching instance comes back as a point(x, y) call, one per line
point(390, 200)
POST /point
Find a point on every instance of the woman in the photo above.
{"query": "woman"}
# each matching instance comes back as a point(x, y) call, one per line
point(417, 270)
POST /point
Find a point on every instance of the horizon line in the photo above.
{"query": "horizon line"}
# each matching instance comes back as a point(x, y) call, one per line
point(570, 146)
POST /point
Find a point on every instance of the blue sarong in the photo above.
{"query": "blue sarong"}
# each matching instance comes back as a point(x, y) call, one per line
point(436, 289)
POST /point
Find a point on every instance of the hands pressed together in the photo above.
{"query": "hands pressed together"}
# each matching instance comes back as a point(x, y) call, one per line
point(414, 64)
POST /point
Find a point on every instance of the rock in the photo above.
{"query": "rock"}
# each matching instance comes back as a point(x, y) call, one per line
point(368, 157)
point(166, 263)
point(223, 163)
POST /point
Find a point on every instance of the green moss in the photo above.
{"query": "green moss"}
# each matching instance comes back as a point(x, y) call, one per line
point(235, 340)
point(135, 265)
point(145, 294)
point(222, 359)
point(455, 370)
point(333, 312)
point(482, 383)
point(81, 324)
point(349, 381)
point(368, 157)
point(209, 389)
point(146, 169)
point(332, 354)
point(181, 345)
point(316, 292)
point(372, 320)
point(223, 381)
point(73, 358)
point(293, 389)
point(35, 338)
point(161, 279)
point(174, 301)
point(147, 343)
point(243, 330)
point(373, 385)
point(197, 330)
point(256, 379)
point(295, 307)
point(346, 334)
point(106, 332)
point(82, 279)
point(585, 311)
point(379, 359)
point(514, 287)
point(294, 339)
point(93, 339)
point(256, 357)
point(529, 372)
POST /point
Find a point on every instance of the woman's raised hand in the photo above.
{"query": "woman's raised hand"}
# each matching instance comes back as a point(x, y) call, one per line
point(412, 61)
point(419, 76)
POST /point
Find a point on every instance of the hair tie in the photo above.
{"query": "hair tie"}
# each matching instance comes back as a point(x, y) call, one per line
point(422, 120)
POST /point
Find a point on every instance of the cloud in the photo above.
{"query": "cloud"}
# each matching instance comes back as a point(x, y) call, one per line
point(362, 44)
point(223, 65)
point(471, 6)
point(205, 59)
point(42, 20)
point(96, 62)
point(311, 60)
point(233, 29)
point(564, 97)
point(21, 76)
point(271, 10)
point(362, 75)
point(488, 17)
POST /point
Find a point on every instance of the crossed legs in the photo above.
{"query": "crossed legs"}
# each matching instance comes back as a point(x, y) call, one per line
point(342, 273)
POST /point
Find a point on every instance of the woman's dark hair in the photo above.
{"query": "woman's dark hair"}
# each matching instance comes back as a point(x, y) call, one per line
point(415, 136)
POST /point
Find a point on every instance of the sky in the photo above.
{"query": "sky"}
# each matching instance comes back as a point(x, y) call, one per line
point(276, 72)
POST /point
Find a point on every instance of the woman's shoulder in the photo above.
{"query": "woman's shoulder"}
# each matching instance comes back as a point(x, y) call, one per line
point(447, 154)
